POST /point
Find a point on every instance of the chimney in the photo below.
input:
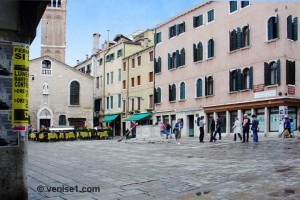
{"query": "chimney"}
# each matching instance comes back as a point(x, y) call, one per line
point(78, 61)
point(96, 38)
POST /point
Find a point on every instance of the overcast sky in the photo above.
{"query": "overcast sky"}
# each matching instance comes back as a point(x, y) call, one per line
point(119, 16)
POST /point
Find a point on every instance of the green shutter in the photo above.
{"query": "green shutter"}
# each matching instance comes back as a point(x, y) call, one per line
point(194, 52)
point(170, 32)
point(183, 26)
point(238, 79)
point(183, 56)
point(278, 72)
point(199, 88)
point(288, 72)
point(212, 86)
point(277, 26)
point(194, 21)
point(177, 64)
point(159, 65)
point(295, 31)
point(200, 51)
point(155, 38)
point(155, 95)
point(209, 49)
point(206, 86)
point(230, 81)
point(170, 93)
point(212, 48)
point(267, 75)
point(201, 20)
point(248, 35)
point(174, 92)
point(251, 78)
point(169, 61)
point(238, 38)
point(177, 29)
point(293, 73)
point(270, 28)
point(155, 66)
point(289, 24)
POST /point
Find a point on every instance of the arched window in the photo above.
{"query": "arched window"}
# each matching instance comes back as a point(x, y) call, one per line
point(233, 40)
point(74, 93)
point(46, 67)
point(182, 57)
point(199, 51)
point(182, 91)
point(233, 86)
point(172, 92)
point(209, 85)
point(245, 36)
point(62, 120)
point(273, 73)
point(292, 28)
point(273, 31)
point(246, 79)
point(173, 60)
point(199, 88)
point(210, 48)
point(157, 95)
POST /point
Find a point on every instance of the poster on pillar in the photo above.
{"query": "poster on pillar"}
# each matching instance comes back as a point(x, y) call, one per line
point(7, 136)
point(283, 110)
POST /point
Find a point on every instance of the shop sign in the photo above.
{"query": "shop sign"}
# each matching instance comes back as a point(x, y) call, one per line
point(291, 89)
point(265, 94)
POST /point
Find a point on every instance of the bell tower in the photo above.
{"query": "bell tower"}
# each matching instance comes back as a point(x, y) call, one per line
point(53, 41)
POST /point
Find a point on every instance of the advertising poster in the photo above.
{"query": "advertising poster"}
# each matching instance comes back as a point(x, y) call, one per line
point(14, 68)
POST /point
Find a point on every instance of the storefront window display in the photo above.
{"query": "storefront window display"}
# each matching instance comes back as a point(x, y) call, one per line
point(274, 119)
point(222, 116)
point(233, 116)
point(260, 113)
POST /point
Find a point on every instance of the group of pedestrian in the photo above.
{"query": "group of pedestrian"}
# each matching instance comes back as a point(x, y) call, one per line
point(167, 129)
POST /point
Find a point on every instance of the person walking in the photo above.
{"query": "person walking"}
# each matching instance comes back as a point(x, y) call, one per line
point(246, 127)
point(237, 129)
point(161, 129)
point(177, 128)
point(254, 128)
point(212, 130)
point(168, 130)
point(201, 124)
point(218, 128)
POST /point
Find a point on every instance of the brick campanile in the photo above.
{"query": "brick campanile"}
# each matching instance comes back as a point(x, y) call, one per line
point(53, 41)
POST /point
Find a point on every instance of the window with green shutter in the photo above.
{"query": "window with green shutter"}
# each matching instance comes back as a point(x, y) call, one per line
point(233, 40)
point(172, 31)
point(119, 53)
point(273, 32)
point(232, 6)
point(119, 100)
point(290, 72)
point(292, 28)
point(158, 93)
point(245, 79)
point(172, 92)
point(100, 61)
point(210, 48)
point(245, 36)
point(157, 38)
point(181, 28)
point(210, 16)
point(199, 88)
point(182, 91)
point(244, 4)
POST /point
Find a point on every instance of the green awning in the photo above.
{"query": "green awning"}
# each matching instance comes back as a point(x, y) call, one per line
point(109, 118)
point(138, 116)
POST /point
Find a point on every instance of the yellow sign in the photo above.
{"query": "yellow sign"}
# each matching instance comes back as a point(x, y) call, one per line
point(20, 64)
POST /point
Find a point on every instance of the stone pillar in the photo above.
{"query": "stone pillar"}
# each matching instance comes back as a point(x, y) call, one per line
point(227, 123)
point(267, 121)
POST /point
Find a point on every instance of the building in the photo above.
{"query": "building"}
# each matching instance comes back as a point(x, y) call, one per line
point(53, 34)
point(226, 59)
point(138, 81)
point(59, 95)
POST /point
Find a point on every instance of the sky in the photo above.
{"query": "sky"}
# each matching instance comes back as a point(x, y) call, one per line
point(84, 18)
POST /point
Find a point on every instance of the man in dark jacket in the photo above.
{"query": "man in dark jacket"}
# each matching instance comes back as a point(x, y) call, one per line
point(246, 123)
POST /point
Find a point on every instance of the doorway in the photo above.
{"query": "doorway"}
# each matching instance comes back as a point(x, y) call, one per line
point(45, 122)
point(191, 125)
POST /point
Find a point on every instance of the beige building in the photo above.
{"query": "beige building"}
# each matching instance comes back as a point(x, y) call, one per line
point(59, 95)
point(53, 34)
point(227, 59)
point(138, 81)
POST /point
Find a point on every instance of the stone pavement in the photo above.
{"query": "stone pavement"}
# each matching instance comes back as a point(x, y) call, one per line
point(137, 169)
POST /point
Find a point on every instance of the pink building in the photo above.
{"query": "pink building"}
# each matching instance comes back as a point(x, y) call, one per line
point(226, 59)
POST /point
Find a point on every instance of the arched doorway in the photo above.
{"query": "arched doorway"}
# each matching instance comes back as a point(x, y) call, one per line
point(44, 118)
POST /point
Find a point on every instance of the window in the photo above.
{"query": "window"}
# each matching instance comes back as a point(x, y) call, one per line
point(157, 95)
point(139, 61)
point(233, 40)
point(124, 66)
point(247, 78)
point(150, 77)
point(172, 92)
point(138, 80)
point(272, 73)
point(234, 80)
point(182, 57)
point(210, 48)
point(119, 100)
point(119, 74)
point(46, 68)
point(198, 52)
point(107, 58)
point(124, 84)
point(111, 102)
point(157, 38)
point(112, 56)
point(132, 82)
point(107, 103)
point(101, 81)
point(74, 93)
point(172, 31)
point(292, 28)
point(132, 63)
point(132, 104)
point(55, 4)
point(138, 103)
point(245, 36)
point(151, 56)
point(119, 53)
point(100, 61)
point(182, 91)
point(97, 82)
point(97, 105)
point(180, 28)
point(273, 28)
point(151, 101)
point(290, 72)
point(107, 78)
point(197, 21)
point(244, 4)
point(111, 77)
point(88, 69)
point(62, 120)
point(199, 88)
point(209, 86)
point(210, 16)
point(232, 6)
point(171, 61)
point(157, 65)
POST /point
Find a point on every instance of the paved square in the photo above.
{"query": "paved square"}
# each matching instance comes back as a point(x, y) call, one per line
point(162, 170)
